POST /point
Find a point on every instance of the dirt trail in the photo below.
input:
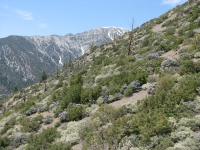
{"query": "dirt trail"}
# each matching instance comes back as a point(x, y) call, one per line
point(45, 114)
point(77, 146)
point(196, 59)
point(171, 54)
point(136, 96)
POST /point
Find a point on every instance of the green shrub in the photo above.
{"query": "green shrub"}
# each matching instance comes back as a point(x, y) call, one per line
point(60, 84)
point(57, 124)
point(76, 79)
point(23, 107)
point(105, 113)
point(90, 94)
point(43, 140)
point(71, 95)
point(105, 137)
point(75, 113)
point(60, 146)
point(4, 142)
point(180, 40)
point(31, 125)
point(100, 100)
point(169, 32)
point(88, 128)
point(188, 66)
point(128, 92)
point(8, 125)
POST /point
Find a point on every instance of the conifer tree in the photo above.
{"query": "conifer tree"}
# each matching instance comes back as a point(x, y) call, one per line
point(43, 76)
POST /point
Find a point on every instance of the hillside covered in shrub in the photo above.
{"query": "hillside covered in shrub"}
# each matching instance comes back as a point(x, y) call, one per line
point(139, 92)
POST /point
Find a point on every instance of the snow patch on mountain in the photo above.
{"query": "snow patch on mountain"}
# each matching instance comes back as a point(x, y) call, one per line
point(82, 50)
point(60, 61)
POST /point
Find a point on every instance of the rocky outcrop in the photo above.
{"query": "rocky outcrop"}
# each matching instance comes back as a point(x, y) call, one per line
point(24, 56)
point(169, 62)
point(136, 86)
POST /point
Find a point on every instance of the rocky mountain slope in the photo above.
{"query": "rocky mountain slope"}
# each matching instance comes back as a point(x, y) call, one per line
point(107, 99)
point(24, 57)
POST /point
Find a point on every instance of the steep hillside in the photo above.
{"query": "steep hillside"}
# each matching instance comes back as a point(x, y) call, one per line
point(24, 58)
point(107, 99)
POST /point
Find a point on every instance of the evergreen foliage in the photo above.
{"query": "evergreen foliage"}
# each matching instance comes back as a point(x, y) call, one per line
point(43, 76)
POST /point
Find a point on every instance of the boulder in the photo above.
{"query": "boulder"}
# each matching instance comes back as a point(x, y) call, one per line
point(53, 105)
point(123, 88)
point(151, 87)
point(136, 86)
point(169, 62)
point(160, 53)
point(62, 116)
point(153, 55)
point(139, 58)
point(31, 111)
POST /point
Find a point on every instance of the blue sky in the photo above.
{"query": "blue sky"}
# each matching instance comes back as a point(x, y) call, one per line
point(47, 17)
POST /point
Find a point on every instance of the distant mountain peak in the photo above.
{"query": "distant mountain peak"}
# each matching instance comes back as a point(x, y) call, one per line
point(29, 55)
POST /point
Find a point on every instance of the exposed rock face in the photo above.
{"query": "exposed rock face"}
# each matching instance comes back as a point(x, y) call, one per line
point(22, 58)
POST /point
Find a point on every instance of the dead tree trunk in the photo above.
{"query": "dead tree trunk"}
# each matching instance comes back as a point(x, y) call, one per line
point(130, 37)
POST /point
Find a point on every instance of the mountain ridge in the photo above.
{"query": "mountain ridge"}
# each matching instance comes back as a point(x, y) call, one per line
point(49, 53)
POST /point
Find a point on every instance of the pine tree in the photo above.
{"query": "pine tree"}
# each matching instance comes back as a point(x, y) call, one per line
point(15, 89)
point(43, 76)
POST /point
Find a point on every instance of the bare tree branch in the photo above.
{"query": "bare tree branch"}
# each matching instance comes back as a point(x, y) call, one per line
point(131, 37)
